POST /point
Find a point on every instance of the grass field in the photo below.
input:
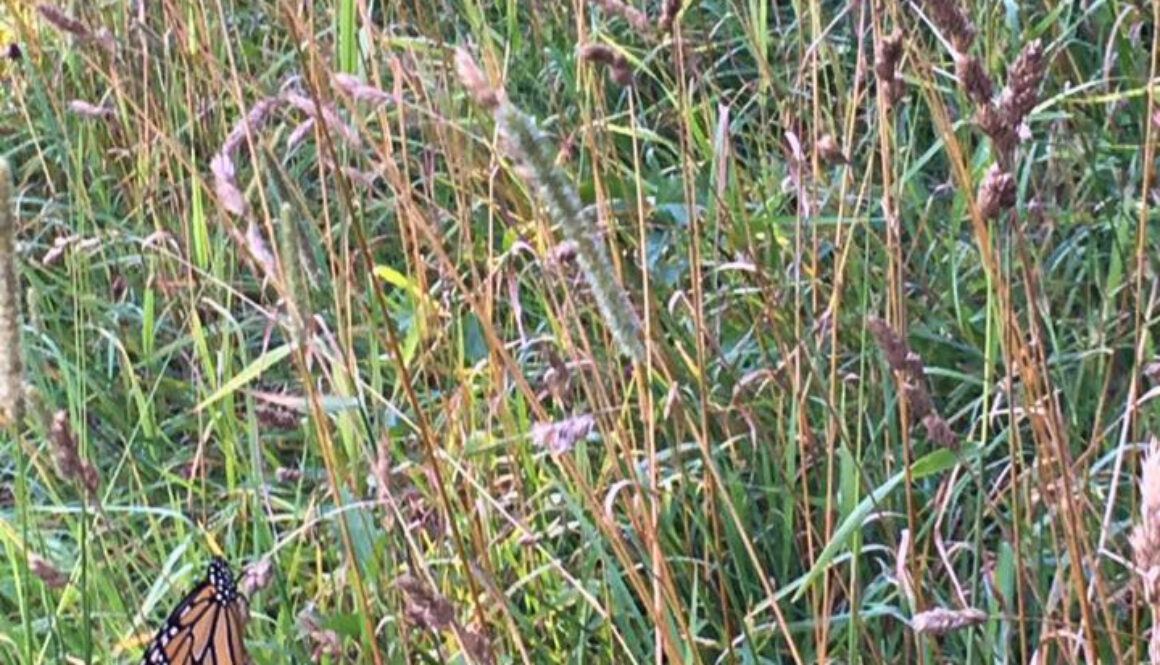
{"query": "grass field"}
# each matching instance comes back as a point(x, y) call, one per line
point(535, 331)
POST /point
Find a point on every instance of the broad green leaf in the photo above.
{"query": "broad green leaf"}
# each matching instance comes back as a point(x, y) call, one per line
point(251, 372)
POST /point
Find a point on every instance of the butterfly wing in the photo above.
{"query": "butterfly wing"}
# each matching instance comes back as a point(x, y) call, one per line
point(206, 626)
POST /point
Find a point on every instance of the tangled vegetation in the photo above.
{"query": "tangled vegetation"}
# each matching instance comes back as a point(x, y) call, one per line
point(600, 331)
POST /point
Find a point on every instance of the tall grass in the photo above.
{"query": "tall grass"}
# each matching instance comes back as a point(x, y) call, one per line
point(670, 333)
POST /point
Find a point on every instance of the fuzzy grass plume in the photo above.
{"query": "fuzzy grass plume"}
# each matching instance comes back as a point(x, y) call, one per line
point(942, 620)
point(1145, 542)
point(534, 156)
point(11, 365)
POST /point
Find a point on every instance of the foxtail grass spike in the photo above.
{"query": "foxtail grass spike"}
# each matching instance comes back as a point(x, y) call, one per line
point(288, 263)
point(535, 160)
point(11, 366)
point(1145, 541)
point(531, 150)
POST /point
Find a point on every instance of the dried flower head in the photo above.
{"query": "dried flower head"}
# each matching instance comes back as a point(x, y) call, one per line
point(631, 15)
point(52, 577)
point(953, 21)
point(996, 192)
point(89, 110)
point(829, 151)
point(477, 644)
point(225, 184)
point(908, 363)
point(249, 123)
point(668, 17)
point(615, 61)
point(325, 114)
point(69, 465)
point(298, 133)
point(1022, 90)
point(358, 90)
point(973, 78)
point(61, 21)
point(256, 576)
point(276, 408)
point(425, 607)
point(887, 54)
point(941, 620)
point(897, 351)
point(939, 431)
point(560, 436)
point(995, 126)
point(285, 475)
point(276, 416)
point(475, 81)
point(259, 249)
point(325, 643)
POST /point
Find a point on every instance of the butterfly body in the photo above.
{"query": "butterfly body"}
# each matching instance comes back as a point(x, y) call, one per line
point(206, 626)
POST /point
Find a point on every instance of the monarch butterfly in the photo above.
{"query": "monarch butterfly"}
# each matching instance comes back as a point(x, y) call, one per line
point(206, 626)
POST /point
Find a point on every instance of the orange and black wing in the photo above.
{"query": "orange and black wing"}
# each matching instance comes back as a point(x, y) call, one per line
point(206, 626)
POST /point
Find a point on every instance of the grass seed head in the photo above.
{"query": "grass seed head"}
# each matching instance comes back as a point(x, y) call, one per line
point(62, 21)
point(1023, 79)
point(11, 353)
point(949, 16)
point(887, 54)
point(668, 17)
point(52, 577)
point(1145, 538)
point(69, 464)
point(616, 63)
point(941, 620)
point(973, 78)
point(476, 82)
point(996, 192)
point(635, 18)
